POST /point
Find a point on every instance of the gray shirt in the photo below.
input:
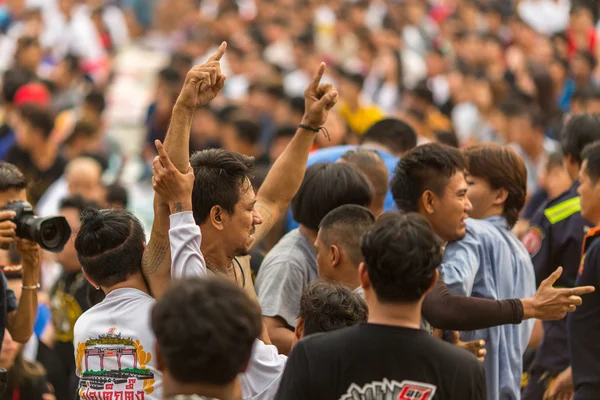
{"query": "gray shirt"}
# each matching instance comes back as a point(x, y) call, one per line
point(284, 274)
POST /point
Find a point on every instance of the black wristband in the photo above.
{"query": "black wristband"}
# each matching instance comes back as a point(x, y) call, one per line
point(316, 130)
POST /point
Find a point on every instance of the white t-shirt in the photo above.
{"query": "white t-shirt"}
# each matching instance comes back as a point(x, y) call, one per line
point(261, 379)
point(114, 348)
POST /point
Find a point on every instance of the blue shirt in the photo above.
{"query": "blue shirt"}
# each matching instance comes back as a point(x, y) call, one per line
point(490, 262)
point(332, 154)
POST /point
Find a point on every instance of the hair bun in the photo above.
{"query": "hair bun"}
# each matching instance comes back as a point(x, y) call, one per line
point(92, 218)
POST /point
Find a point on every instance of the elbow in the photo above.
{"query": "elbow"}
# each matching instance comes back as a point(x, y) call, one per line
point(21, 338)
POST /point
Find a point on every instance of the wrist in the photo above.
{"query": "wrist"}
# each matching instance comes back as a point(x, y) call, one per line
point(529, 309)
point(183, 109)
point(311, 123)
point(180, 206)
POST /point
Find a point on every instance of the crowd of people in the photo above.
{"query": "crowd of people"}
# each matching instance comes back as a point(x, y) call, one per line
point(279, 199)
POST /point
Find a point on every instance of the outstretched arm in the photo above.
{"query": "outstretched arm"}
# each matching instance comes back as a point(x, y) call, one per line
point(202, 84)
point(286, 174)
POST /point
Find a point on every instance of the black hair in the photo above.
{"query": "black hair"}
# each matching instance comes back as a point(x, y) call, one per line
point(297, 104)
point(205, 330)
point(346, 225)
point(116, 194)
point(11, 178)
point(401, 256)
point(580, 131)
point(426, 167)
point(555, 159)
point(77, 202)
point(12, 81)
point(84, 129)
point(325, 187)
point(73, 63)
point(96, 100)
point(110, 245)
point(591, 154)
point(517, 109)
point(353, 77)
point(219, 177)
point(588, 57)
point(170, 75)
point(38, 117)
point(448, 138)
point(327, 306)
point(286, 131)
point(247, 130)
point(397, 135)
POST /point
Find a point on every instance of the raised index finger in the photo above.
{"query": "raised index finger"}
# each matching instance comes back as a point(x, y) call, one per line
point(578, 291)
point(317, 79)
point(219, 53)
point(162, 153)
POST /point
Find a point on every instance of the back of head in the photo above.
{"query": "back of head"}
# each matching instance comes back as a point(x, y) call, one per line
point(580, 131)
point(502, 168)
point(370, 163)
point(117, 196)
point(220, 175)
point(110, 245)
point(40, 118)
point(426, 167)
point(11, 178)
point(77, 202)
point(325, 187)
point(345, 226)
point(247, 131)
point(392, 133)
point(401, 255)
point(591, 154)
point(326, 307)
point(12, 80)
point(205, 330)
point(96, 100)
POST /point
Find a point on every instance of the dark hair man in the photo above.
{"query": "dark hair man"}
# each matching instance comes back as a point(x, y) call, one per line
point(584, 323)
point(292, 263)
point(490, 261)
point(338, 244)
point(401, 255)
point(328, 306)
point(18, 319)
point(430, 180)
point(554, 239)
point(110, 245)
point(224, 208)
point(205, 330)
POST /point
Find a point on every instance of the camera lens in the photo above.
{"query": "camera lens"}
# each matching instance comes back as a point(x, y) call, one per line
point(50, 234)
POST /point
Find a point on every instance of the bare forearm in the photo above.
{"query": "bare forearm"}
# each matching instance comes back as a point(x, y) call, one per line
point(289, 168)
point(177, 141)
point(282, 338)
point(20, 322)
point(156, 263)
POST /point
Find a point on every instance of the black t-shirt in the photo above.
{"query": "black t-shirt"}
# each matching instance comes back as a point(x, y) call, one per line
point(369, 361)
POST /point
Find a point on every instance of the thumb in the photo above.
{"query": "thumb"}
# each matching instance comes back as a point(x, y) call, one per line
point(326, 101)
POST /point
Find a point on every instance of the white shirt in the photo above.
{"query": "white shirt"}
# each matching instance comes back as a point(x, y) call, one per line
point(114, 348)
point(261, 379)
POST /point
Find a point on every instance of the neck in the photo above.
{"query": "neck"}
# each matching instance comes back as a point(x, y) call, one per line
point(308, 233)
point(135, 281)
point(172, 388)
point(213, 250)
point(43, 155)
point(494, 211)
point(407, 315)
point(536, 151)
point(349, 276)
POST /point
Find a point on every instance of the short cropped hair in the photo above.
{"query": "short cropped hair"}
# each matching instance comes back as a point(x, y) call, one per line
point(327, 306)
point(500, 167)
point(426, 167)
point(11, 178)
point(580, 131)
point(396, 135)
point(370, 163)
point(77, 202)
point(591, 154)
point(110, 245)
point(219, 176)
point(205, 329)
point(346, 226)
point(325, 187)
point(401, 255)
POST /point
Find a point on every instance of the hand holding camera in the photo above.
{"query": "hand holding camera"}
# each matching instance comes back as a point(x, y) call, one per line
point(8, 229)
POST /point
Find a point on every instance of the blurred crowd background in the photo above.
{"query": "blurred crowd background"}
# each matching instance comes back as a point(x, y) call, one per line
point(88, 85)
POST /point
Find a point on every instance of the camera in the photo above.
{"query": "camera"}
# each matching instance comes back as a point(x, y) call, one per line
point(51, 233)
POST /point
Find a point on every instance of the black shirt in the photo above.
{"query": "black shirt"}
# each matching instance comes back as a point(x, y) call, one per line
point(8, 303)
point(584, 325)
point(369, 361)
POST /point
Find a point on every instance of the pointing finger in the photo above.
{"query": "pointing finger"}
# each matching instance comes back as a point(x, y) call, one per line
point(317, 79)
point(578, 291)
point(219, 53)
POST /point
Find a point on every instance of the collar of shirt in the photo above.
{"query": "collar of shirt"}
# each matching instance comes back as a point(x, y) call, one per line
point(498, 220)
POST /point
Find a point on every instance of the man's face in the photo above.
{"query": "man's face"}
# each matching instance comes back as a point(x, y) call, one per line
point(241, 224)
point(68, 257)
point(590, 195)
point(324, 266)
point(451, 209)
point(481, 196)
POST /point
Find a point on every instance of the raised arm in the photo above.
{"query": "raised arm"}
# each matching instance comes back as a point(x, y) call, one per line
point(286, 174)
point(202, 84)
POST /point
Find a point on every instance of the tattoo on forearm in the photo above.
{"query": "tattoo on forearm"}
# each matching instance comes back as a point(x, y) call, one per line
point(158, 248)
point(178, 207)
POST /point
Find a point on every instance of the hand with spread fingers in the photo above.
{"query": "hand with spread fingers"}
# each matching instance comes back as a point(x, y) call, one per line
point(550, 303)
point(318, 100)
point(173, 187)
point(203, 82)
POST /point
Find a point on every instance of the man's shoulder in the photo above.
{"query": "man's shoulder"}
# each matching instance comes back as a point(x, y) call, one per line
point(291, 246)
point(559, 209)
point(329, 154)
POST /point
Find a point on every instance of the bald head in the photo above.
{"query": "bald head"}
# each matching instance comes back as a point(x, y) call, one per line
point(83, 177)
